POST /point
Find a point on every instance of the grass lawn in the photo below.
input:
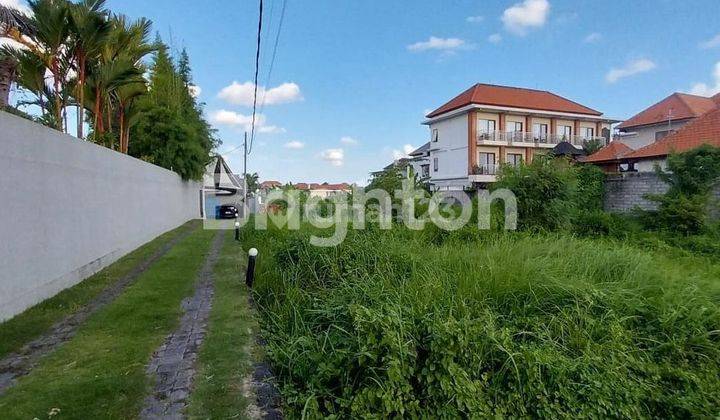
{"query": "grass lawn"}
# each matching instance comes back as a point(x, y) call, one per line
point(100, 373)
point(23, 328)
point(224, 360)
point(480, 324)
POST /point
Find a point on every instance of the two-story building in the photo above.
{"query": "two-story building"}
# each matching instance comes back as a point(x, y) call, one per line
point(645, 139)
point(487, 126)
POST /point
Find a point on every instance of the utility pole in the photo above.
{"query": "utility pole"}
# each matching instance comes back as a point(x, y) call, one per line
point(244, 200)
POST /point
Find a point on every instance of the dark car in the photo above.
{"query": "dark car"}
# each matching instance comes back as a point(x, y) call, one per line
point(226, 211)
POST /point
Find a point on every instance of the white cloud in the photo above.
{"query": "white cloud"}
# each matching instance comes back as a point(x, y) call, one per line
point(294, 145)
point(526, 15)
point(632, 68)
point(243, 93)
point(495, 38)
point(703, 89)
point(195, 90)
point(348, 140)
point(474, 19)
point(235, 119)
point(335, 157)
point(592, 38)
point(406, 150)
point(440, 44)
point(711, 43)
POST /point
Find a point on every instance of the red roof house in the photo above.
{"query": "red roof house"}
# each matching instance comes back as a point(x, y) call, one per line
point(506, 96)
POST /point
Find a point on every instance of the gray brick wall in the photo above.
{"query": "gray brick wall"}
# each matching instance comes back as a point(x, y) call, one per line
point(625, 191)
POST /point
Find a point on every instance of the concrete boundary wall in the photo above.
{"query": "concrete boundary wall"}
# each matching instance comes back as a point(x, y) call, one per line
point(71, 208)
point(625, 191)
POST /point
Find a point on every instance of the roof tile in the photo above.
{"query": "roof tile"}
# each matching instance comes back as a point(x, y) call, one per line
point(702, 130)
point(612, 152)
point(678, 106)
point(484, 94)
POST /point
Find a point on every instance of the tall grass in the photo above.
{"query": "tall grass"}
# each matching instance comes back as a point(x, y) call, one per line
point(401, 323)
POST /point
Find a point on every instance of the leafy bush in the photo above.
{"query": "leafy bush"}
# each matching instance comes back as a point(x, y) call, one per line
point(690, 176)
point(544, 190)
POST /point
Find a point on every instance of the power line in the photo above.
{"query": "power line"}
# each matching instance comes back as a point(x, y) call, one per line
point(257, 70)
point(272, 60)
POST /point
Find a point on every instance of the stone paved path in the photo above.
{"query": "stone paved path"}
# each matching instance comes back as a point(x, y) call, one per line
point(21, 363)
point(173, 364)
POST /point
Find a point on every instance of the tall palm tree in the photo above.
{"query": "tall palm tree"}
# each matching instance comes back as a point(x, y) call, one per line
point(49, 43)
point(116, 78)
point(14, 25)
point(90, 28)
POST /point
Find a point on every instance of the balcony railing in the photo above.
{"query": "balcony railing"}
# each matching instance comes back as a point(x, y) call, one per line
point(518, 137)
point(486, 169)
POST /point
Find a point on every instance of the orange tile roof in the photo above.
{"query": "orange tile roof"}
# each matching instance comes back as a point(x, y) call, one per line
point(270, 184)
point(483, 94)
point(324, 186)
point(702, 130)
point(612, 152)
point(682, 106)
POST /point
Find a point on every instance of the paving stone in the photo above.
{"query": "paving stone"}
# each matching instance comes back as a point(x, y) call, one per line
point(176, 361)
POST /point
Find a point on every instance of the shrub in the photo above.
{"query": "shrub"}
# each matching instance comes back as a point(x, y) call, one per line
point(544, 190)
point(690, 176)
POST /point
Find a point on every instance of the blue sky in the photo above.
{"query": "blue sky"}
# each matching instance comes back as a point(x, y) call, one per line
point(368, 70)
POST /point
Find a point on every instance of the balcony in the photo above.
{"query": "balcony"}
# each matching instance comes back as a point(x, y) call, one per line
point(484, 173)
point(522, 139)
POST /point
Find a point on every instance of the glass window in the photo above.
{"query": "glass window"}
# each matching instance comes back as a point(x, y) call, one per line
point(588, 132)
point(486, 163)
point(486, 126)
point(514, 159)
point(514, 127)
point(435, 164)
point(435, 136)
point(565, 131)
point(662, 134)
point(540, 131)
point(425, 170)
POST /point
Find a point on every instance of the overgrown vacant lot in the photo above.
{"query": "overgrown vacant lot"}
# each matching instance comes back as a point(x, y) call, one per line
point(434, 324)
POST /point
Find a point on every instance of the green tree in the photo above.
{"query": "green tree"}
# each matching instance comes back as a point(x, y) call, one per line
point(13, 25)
point(186, 139)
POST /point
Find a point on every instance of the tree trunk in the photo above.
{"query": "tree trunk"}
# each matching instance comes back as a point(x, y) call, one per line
point(121, 130)
point(58, 93)
point(8, 69)
point(81, 99)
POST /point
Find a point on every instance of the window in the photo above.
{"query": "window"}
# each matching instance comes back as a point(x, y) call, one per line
point(425, 170)
point(486, 163)
point(514, 159)
point(565, 131)
point(587, 132)
point(661, 134)
point(435, 136)
point(540, 131)
point(486, 126)
point(435, 164)
point(514, 127)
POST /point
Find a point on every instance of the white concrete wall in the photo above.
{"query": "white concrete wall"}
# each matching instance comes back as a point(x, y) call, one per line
point(646, 135)
point(70, 208)
point(451, 149)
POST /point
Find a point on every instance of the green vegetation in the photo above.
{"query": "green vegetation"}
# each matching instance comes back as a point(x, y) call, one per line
point(488, 324)
point(25, 327)
point(225, 355)
point(100, 373)
point(96, 62)
point(691, 177)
